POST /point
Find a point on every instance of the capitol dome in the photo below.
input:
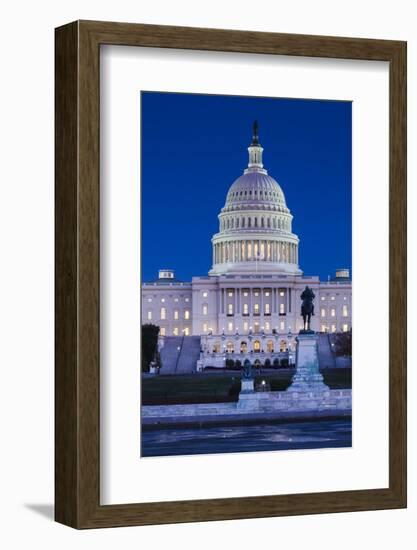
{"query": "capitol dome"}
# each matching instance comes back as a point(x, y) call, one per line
point(255, 224)
point(256, 185)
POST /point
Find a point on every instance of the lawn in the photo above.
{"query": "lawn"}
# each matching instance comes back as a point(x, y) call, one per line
point(222, 387)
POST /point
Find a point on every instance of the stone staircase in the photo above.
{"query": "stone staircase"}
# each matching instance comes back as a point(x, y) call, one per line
point(189, 354)
point(326, 355)
point(179, 354)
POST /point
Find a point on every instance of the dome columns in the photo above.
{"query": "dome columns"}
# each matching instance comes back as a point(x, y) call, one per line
point(239, 255)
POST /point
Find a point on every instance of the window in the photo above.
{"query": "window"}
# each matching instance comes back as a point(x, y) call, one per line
point(245, 326)
point(323, 312)
point(230, 326)
point(175, 331)
point(282, 326)
point(323, 298)
point(187, 299)
point(266, 293)
point(323, 328)
point(229, 309)
point(256, 346)
point(230, 348)
point(149, 299)
point(256, 293)
point(282, 309)
point(282, 345)
point(162, 331)
point(163, 313)
point(256, 309)
point(256, 327)
point(205, 327)
point(162, 299)
point(186, 331)
point(176, 314)
point(270, 346)
point(149, 315)
point(345, 311)
point(230, 294)
point(345, 328)
point(267, 309)
point(333, 328)
point(187, 314)
point(205, 309)
point(332, 297)
point(175, 299)
point(245, 294)
point(205, 294)
point(333, 312)
point(243, 347)
point(245, 309)
point(267, 326)
point(216, 347)
point(281, 293)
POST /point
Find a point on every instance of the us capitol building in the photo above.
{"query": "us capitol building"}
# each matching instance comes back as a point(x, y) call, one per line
point(249, 303)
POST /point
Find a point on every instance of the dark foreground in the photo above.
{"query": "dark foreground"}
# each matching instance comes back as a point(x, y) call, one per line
point(313, 434)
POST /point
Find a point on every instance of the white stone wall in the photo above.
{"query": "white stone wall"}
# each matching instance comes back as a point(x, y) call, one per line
point(176, 298)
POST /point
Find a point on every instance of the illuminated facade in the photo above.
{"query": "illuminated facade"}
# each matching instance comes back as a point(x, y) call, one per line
point(250, 299)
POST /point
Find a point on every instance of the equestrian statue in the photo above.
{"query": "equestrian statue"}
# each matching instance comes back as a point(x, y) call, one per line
point(307, 309)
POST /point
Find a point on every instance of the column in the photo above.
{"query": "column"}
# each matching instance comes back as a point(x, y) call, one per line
point(235, 302)
point(262, 304)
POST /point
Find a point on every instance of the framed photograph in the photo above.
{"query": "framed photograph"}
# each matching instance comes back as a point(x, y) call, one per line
point(230, 274)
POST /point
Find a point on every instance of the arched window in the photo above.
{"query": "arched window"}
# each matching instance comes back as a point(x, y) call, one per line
point(243, 222)
point(270, 346)
point(269, 222)
point(237, 223)
point(230, 347)
point(163, 313)
point(216, 347)
point(262, 222)
point(243, 347)
point(257, 346)
point(275, 223)
point(256, 222)
point(282, 345)
point(249, 222)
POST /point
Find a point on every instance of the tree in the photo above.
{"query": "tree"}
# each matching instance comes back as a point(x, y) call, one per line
point(149, 345)
point(343, 344)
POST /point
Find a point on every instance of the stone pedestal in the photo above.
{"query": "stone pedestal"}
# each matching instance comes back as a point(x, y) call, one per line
point(247, 385)
point(307, 376)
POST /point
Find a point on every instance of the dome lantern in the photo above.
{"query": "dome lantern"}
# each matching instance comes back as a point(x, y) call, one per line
point(255, 149)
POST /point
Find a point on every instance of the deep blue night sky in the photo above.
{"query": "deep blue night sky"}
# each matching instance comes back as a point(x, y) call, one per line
point(195, 146)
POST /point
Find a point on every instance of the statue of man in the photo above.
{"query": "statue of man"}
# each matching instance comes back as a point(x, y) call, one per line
point(307, 306)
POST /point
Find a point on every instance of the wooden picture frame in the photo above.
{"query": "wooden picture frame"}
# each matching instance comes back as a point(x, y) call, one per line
point(77, 372)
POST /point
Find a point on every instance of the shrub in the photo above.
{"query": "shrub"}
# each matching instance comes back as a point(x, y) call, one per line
point(276, 363)
point(284, 362)
point(267, 363)
point(230, 363)
point(149, 345)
